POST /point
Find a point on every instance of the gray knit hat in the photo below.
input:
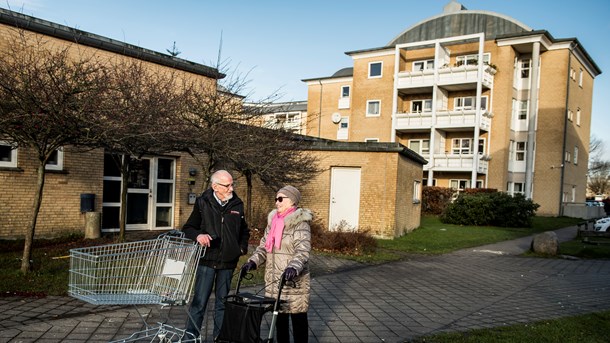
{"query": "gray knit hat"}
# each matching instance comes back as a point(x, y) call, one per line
point(292, 193)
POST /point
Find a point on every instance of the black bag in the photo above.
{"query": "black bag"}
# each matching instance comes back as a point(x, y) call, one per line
point(242, 318)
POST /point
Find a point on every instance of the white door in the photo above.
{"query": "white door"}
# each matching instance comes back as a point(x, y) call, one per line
point(344, 198)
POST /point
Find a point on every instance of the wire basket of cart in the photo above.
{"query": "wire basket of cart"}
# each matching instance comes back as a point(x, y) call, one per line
point(158, 271)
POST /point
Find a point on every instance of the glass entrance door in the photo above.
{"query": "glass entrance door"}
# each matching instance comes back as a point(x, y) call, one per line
point(150, 194)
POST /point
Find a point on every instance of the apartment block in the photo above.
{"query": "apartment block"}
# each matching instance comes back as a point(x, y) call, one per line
point(485, 99)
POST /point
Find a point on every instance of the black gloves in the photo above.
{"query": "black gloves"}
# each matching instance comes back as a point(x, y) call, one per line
point(248, 266)
point(290, 273)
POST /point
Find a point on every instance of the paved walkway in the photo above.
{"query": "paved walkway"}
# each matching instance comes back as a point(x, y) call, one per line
point(487, 286)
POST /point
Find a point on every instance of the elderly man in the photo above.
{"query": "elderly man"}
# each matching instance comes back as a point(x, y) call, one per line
point(217, 223)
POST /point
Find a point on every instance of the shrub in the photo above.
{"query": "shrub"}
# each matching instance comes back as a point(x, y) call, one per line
point(435, 199)
point(340, 241)
point(485, 208)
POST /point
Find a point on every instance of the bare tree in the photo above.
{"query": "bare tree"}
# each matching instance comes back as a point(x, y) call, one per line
point(47, 95)
point(599, 169)
point(141, 119)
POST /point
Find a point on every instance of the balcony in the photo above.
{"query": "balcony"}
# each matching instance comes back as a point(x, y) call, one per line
point(452, 78)
point(444, 120)
point(457, 163)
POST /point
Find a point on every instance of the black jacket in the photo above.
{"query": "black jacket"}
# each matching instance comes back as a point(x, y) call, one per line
point(225, 224)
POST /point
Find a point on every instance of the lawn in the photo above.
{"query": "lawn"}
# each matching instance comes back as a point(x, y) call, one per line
point(590, 328)
point(434, 237)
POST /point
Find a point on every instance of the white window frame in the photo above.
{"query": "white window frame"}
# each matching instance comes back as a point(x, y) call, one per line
point(575, 155)
point(424, 104)
point(12, 163)
point(466, 59)
point(59, 163)
point(524, 69)
point(515, 188)
point(568, 157)
point(578, 116)
point(422, 65)
point(343, 91)
point(520, 150)
point(416, 191)
point(463, 146)
point(380, 70)
point(570, 115)
point(458, 183)
point(522, 109)
point(420, 146)
point(368, 108)
point(459, 103)
point(580, 77)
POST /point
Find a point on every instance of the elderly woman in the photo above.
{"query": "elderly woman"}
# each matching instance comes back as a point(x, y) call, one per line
point(284, 248)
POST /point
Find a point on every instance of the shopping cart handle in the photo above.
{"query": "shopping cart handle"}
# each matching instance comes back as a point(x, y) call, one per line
point(172, 233)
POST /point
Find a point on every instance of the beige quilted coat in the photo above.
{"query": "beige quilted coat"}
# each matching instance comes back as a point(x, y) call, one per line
point(293, 252)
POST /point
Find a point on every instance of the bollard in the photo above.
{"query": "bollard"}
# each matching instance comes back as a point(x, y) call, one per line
point(93, 224)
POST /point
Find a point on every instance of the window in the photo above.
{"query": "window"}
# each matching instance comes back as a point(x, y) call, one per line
point(578, 117)
point(371, 140)
point(416, 191)
point(8, 155)
point(344, 124)
point(520, 148)
point(419, 106)
point(373, 108)
point(423, 65)
point(471, 59)
point(568, 156)
point(580, 78)
point(575, 155)
point(461, 146)
point(425, 182)
point(420, 146)
point(525, 69)
point(345, 91)
point(459, 184)
point(56, 161)
point(514, 188)
point(522, 109)
point(468, 103)
point(342, 130)
point(481, 146)
point(573, 74)
point(570, 115)
point(375, 69)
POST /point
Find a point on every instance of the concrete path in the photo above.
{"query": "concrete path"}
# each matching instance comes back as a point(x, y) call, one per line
point(484, 287)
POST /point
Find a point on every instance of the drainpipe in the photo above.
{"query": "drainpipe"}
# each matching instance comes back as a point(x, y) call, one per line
point(320, 108)
point(531, 129)
point(565, 132)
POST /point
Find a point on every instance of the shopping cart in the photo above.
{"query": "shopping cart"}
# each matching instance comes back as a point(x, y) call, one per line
point(157, 271)
point(244, 313)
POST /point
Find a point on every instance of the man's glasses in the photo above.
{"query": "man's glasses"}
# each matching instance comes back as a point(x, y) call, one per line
point(226, 186)
point(280, 199)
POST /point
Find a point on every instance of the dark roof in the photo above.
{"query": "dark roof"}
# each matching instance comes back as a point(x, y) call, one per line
point(48, 28)
point(321, 144)
point(463, 22)
point(344, 72)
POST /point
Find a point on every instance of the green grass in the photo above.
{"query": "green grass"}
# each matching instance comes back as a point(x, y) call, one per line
point(583, 250)
point(434, 237)
point(590, 328)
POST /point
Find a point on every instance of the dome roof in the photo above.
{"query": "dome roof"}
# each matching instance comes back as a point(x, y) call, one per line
point(456, 20)
point(345, 72)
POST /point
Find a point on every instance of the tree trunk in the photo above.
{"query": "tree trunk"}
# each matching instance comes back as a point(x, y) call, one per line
point(124, 185)
point(29, 235)
point(248, 176)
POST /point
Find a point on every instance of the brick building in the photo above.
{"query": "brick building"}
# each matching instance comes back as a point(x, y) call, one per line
point(363, 186)
point(487, 100)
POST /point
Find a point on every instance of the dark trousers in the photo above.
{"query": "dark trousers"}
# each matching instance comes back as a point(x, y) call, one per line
point(300, 327)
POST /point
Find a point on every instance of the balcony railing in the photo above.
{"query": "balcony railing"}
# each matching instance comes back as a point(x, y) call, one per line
point(464, 163)
point(444, 119)
point(446, 76)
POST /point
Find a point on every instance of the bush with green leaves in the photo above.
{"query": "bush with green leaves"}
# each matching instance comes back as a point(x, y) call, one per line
point(496, 209)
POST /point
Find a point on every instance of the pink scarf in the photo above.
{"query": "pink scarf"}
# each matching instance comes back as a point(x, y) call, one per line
point(277, 229)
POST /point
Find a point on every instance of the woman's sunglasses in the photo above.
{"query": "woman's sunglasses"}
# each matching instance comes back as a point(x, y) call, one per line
point(280, 199)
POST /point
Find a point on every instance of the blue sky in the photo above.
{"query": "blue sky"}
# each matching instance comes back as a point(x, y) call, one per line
point(275, 44)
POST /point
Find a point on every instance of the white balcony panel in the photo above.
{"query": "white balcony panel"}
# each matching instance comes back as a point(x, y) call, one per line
point(465, 74)
point(444, 162)
point(424, 78)
point(406, 121)
point(344, 103)
point(482, 167)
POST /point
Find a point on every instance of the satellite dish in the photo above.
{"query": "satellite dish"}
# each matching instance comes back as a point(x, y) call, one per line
point(336, 117)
